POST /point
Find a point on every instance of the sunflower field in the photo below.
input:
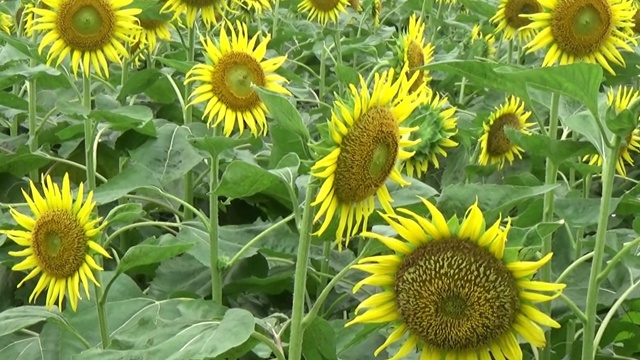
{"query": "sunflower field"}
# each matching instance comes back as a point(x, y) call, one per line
point(319, 179)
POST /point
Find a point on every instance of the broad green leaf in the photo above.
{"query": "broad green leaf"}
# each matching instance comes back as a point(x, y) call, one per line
point(138, 82)
point(180, 66)
point(21, 317)
point(21, 163)
point(181, 275)
point(215, 145)
point(347, 74)
point(236, 327)
point(621, 124)
point(241, 180)
point(319, 341)
point(124, 214)
point(557, 150)
point(16, 347)
point(132, 178)
point(136, 117)
point(151, 251)
point(72, 108)
point(581, 212)
point(12, 101)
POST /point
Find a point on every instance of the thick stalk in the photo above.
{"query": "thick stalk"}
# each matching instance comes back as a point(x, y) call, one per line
point(187, 113)
point(216, 279)
point(551, 173)
point(300, 281)
point(608, 174)
point(33, 125)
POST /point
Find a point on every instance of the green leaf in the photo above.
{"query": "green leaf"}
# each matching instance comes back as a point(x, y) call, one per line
point(581, 212)
point(22, 317)
point(215, 145)
point(347, 74)
point(151, 251)
point(130, 179)
point(124, 214)
point(136, 117)
point(138, 82)
point(241, 180)
point(621, 124)
point(319, 341)
point(180, 66)
point(235, 329)
point(12, 101)
point(19, 164)
point(179, 275)
point(556, 150)
point(586, 125)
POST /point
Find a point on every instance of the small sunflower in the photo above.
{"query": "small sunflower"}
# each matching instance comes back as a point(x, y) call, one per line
point(436, 125)
point(450, 290)
point(147, 38)
point(324, 10)
point(210, 10)
point(509, 21)
point(25, 14)
point(91, 31)
point(621, 100)
point(494, 143)
point(591, 31)
point(487, 41)
point(255, 6)
point(57, 241)
point(6, 23)
point(415, 53)
point(237, 65)
point(368, 143)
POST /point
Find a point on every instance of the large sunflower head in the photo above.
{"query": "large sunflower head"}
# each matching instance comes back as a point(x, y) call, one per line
point(414, 53)
point(619, 101)
point(58, 240)
point(450, 290)
point(591, 31)
point(509, 21)
point(237, 64)
point(436, 123)
point(495, 146)
point(210, 10)
point(91, 31)
point(487, 42)
point(323, 10)
point(368, 142)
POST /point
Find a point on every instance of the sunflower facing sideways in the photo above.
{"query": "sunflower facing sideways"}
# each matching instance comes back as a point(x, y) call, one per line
point(509, 21)
point(620, 101)
point(6, 23)
point(485, 42)
point(226, 84)
point(590, 31)
point(147, 38)
point(210, 10)
point(323, 10)
point(57, 240)
point(90, 31)
point(368, 141)
point(415, 53)
point(495, 146)
point(449, 289)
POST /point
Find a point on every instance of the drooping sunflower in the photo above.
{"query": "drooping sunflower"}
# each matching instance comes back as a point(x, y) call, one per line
point(147, 38)
point(210, 10)
point(323, 10)
point(6, 23)
point(25, 14)
point(368, 141)
point(509, 21)
point(590, 31)
point(488, 41)
point(58, 241)
point(451, 291)
point(414, 53)
point(495, 146)
point(620, 100)
point(90, 31)
point(436, 125)
point(237, 65)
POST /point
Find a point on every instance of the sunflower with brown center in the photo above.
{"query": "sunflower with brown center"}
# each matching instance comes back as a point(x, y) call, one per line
point(509, 20)
point(450, 291)
point(414, 53)
point(147, 38)
point(90, 31)
point(210, 10)
point(323, 10)
point(368, 142)
point(57, 240)
point(227, 84)
point(495, 146)
point(590, 31)
point(620, 101)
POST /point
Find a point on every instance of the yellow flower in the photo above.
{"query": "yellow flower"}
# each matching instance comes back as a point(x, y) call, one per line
point(620, 101)
point(509, 21)
point(368, 141)
point(237, 65)
point(415, 53)
point(323, 10)
point(6, 23)
point(591, 31)
point(488, 42)
point(147, 38)
point(450, 290)
point(210, 10)
point(91, 31)
point(494, 143)
point(26, 15)
point(256, 6)
point(436, 125)
point(57, 241)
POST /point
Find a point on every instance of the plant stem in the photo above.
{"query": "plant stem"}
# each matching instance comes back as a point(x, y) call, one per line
point(617, 258)
point(259, 237)
point(300, 281)
point(216, 279)
point(551, 173)
point(608, 174)
point(187, 117)
point(265, 340)
point(510, 54)
point(33, 125)
point(612, 312)
point(463, 83)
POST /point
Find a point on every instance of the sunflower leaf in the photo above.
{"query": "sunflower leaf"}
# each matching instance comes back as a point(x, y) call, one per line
point(152, 251)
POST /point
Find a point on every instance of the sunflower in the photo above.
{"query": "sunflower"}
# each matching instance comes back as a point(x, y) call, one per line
point(583, 30)
point(620, 101)
point(494, 143)
point(415, 53)
point(509, 21)
point(25, 14)
point(436, 125)
point(449, 288)
point(6, 23)
point(488, 41)
point(147, 38)
point(636, 21)
point(90, 31)
point(227, 83)
point(368, 143)
point(324, 10)
point(210, 10)
point(57, 241)
point(255, 6)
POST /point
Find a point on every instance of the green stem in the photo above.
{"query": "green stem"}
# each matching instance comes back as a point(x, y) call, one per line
point(187, 118)
point(186, 205)
point(300, 281)
point(216, 279)
point(33, 125)
point(573, 266)
point(126, 228)
point(510, 52)
point(609, 170)
point(276, 8)
point(571, 337)
point(463, 83)
point(324, 266)
point(257, 239)
point(612, 312)
point(617, 258)
point(265, 340)
point(551, 174)
point(574, 308)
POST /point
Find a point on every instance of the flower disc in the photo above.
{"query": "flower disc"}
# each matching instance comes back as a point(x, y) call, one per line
point(324, 10)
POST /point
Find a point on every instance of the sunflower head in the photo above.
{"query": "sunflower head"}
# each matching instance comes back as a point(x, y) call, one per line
point(449, 289)
point(227, 84)
point(58, 240)
point(495, 146)
point(486, 43)
point(590, 31)
point(436, 123)
point(6, 23)
point(376, 10)
point(368, 140)
point(211, 11)
point(510, 21)
point(146, 39)
point(323, 10)
point(619, 101)
point(413, 52)
point(26, 15)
